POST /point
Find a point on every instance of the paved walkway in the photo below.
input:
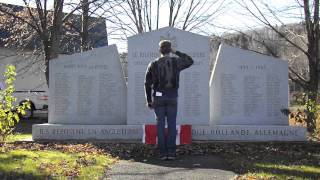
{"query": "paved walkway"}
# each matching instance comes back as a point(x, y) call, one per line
point(185, 167)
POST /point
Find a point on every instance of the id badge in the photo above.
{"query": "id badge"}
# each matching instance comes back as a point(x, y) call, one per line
point(158, 94)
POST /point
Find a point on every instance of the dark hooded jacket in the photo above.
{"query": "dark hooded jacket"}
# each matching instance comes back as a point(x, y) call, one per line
point(163, 75)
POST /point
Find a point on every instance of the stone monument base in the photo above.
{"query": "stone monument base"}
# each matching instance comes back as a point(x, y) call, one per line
point(199, 133)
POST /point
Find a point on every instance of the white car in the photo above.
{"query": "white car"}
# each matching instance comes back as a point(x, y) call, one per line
point(38, 101)
point(30, 81)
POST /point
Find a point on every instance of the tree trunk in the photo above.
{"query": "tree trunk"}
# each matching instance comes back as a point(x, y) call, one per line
point(84, 25)
point(171, 7)
point(318, 56)
point(56, 35)
point(46, 58)
point(313, 88)
point(56, 31)
point(312, 100)
point(158, 5)
point(140, 20)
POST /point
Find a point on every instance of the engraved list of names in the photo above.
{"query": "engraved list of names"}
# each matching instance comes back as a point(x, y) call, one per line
point(193, 100)
point(248, 88)
point(88, 88)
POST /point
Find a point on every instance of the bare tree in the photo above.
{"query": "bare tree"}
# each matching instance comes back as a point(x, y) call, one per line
point(193, 14)
point(92, 15)
point(308, 45)
point(33, 24)
point(38, 20)
point(137, 16)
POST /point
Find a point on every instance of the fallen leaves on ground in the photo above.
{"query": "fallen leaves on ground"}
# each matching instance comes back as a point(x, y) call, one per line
point(131, 150)
point(237, 154)
point(85, 148)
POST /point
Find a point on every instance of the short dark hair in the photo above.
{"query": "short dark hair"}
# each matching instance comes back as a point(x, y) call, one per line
point(165, 46)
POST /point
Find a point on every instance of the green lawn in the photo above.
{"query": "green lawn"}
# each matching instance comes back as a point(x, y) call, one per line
point(277, 164)
point(266, 169)
point(18, 137)
point(34, 163)
point(282, 171)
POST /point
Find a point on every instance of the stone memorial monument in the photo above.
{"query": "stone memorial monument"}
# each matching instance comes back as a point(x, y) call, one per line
point(87, 98)
point(193, 102)
point(247, 93)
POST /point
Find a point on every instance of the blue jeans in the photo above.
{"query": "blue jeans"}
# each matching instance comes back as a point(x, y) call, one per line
point(166, 109)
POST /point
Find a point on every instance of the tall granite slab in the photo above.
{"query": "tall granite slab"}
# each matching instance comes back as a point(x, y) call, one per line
point(248, 88)
point(193, 104)
point(87, 88)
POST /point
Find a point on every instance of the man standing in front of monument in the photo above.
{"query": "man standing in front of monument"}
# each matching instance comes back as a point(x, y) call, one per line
point(163, 77)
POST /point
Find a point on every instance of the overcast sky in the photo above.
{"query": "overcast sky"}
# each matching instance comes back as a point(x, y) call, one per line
point(233, 17)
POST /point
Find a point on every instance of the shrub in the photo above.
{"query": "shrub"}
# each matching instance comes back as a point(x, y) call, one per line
point(9, 112)
point(317, 131)
point(298, 98)
point(313, 111)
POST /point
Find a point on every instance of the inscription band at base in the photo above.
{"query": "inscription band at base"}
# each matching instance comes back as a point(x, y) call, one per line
point(83, 132)
point(199, 133)
point(248, 133)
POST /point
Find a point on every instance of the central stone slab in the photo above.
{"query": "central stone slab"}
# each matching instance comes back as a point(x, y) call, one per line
point(193, 103)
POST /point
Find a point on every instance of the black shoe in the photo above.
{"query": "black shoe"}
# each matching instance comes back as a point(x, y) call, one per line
point(163, 157)
point(171, 157)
